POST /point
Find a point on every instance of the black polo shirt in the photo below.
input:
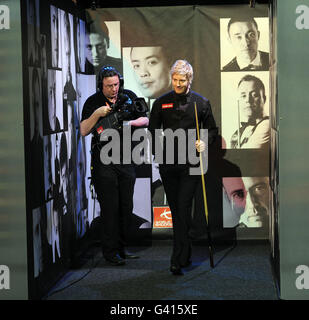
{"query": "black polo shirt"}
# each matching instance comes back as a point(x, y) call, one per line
point(176, 111)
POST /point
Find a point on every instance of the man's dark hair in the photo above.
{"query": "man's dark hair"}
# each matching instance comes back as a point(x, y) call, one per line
point(248, 19)
point(99, 28)
point(108, 71)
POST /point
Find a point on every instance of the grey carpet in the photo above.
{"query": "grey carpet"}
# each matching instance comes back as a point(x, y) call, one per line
point(241, 273)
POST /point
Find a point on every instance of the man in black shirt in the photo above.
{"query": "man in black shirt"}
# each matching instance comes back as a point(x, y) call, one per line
point(176, 110)
point(114, 183)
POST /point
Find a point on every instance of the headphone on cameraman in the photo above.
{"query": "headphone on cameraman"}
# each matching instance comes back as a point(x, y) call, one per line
point(108, 71)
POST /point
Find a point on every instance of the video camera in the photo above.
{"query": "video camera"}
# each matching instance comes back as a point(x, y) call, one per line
point(124, 109)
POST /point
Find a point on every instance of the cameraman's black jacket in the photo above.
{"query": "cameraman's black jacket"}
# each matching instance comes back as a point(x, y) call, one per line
point(94, 102)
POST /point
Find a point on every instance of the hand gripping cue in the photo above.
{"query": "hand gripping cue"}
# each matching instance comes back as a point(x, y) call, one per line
point(204, 196)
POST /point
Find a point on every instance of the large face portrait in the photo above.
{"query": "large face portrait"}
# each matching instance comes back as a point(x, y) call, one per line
point(233, 201)
point(251, 100)
point(249, 200)
point(256, 213)
point(244, 38)
point(96, 48)
point(151, 70)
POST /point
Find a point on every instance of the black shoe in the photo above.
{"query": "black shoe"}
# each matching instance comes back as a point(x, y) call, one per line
point(176, 271)
point(128, 255)
point(115, 261)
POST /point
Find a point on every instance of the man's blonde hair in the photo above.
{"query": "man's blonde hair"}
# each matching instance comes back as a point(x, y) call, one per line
point(183, 67)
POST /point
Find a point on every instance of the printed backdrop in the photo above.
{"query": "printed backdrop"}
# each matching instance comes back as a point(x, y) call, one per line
point(65, 50)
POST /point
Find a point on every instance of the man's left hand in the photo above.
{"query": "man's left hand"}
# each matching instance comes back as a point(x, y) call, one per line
point(139, 122)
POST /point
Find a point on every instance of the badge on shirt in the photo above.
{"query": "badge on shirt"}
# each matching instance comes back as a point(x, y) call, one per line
point(100, 130)
point(167, 105)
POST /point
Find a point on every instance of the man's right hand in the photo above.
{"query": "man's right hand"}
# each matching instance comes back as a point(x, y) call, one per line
point(87, 124)
point(103, 111)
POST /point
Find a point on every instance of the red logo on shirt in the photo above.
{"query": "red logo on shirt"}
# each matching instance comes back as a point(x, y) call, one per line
point(167, 105)
point(100, 130)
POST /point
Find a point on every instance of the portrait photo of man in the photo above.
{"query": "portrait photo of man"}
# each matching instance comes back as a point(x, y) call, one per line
point(55, 102)
point(151, 70)
point(55, 37)
point(233, 201)
point(100, 39)
point(68, 67)
point(241, 41)
point(246, 202)
point(245, 111)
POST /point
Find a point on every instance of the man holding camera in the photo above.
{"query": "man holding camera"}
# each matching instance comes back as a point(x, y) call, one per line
point(114, 183)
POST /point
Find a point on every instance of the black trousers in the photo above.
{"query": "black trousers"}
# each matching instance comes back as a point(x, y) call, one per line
point(180, 188)
point(114, 186)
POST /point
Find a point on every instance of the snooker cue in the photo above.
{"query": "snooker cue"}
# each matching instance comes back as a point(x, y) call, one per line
point(204, 197)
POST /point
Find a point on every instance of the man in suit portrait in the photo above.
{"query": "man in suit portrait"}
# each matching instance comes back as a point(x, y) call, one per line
point(244, 36)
